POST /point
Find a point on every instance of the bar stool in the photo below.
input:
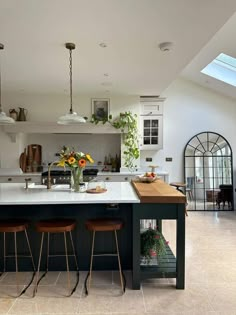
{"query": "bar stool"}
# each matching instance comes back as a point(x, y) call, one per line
point(104, 225)
point(57, 226)
point(178, 187)
point(16, 226)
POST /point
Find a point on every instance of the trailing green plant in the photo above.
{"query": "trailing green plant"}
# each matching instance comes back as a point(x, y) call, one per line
point(152, 243)
point(127, 123)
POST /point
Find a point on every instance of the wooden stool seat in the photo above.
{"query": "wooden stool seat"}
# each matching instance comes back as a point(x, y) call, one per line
point(55, 226)
point(13, 226)
point(178, 185)
point(104, 225)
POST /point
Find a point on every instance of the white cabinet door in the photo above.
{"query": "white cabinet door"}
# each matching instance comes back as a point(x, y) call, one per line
point(151, 132)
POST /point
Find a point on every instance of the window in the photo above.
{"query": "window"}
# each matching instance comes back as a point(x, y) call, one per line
point(222, 68)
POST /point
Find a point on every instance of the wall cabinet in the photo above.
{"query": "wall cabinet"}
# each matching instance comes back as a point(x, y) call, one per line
point(151, 132)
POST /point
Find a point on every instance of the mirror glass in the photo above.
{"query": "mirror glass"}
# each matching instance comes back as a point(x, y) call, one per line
point(208, 172)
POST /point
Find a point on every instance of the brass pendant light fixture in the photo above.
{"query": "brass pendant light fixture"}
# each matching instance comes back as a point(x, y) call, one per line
point(4, 119)
point(72, 117)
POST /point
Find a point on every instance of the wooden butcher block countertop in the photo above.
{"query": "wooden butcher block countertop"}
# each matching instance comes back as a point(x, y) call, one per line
point(157, 192)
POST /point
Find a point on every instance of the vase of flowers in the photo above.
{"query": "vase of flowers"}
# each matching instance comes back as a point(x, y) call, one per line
point(152, 246)
point(76, 161)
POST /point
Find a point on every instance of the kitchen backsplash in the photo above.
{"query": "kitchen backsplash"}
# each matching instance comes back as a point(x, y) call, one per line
point(98, 146)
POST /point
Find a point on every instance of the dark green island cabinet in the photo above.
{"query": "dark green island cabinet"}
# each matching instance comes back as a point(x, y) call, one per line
point(130, 201)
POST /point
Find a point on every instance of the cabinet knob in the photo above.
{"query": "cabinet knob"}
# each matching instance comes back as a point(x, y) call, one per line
point(9, 179)
point(107, 178)
point(126, 178)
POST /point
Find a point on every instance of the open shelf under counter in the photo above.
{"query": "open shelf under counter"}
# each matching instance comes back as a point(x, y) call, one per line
point(160, 267)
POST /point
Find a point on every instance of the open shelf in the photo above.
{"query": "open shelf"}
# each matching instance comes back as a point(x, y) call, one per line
point(162, 267)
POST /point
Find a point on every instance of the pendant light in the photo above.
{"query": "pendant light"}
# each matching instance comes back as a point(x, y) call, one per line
point(71, 117)
point(4, 119)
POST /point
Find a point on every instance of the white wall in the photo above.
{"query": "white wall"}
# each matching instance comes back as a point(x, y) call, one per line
point(188, 110)
point(50, 108)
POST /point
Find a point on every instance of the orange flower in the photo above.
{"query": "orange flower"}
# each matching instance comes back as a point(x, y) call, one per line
point(82, 163)
point(71, 160)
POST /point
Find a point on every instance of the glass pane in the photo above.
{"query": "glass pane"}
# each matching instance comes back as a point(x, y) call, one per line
point(146, 140)
point(154, 140)
point(155, 123)
point(147, 123)
point(203, 137)
point(146, 132)
point(189, 151)
point(154, 132)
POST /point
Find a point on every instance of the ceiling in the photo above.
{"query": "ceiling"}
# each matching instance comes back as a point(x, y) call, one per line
point(34, 33)
point(222, 41)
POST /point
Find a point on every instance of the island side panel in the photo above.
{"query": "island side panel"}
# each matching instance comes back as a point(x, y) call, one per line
point(82, 237)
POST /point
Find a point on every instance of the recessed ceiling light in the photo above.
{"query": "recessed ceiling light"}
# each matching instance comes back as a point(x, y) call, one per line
point(103, 45)
point(166, 46)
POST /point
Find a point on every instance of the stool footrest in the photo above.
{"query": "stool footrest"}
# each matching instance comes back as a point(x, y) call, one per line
point(104, 254)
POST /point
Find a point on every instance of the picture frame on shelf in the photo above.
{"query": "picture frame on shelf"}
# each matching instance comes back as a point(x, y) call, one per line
point(101, 108)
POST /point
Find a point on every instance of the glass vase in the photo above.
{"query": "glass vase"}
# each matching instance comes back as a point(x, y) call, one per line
point(76, 179)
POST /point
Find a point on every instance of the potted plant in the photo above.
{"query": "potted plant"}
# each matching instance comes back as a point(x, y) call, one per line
point(152, 244)
point(127, 123)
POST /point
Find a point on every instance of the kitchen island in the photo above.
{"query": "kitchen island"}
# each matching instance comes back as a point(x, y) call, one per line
point(122, 199)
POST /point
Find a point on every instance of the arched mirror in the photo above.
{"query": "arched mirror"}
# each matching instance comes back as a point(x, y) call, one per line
point(209, 172)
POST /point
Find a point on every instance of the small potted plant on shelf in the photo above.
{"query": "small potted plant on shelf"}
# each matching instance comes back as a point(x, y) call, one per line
point(152, 245)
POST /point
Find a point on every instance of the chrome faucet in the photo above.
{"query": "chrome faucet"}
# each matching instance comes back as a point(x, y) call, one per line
point(49, 184)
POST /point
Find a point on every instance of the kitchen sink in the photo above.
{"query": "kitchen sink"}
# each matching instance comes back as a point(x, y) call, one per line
point(61, 187)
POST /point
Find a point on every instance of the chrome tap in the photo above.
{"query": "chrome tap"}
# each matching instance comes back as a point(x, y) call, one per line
point(49, 184)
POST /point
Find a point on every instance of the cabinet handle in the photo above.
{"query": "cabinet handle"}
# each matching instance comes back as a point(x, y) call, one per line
point(107, 178)
point(9, 179)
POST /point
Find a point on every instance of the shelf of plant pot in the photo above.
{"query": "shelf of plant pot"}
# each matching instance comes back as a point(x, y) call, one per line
point(160, 267)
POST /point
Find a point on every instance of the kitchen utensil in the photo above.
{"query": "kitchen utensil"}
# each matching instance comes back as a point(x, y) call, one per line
point(22, 114)
point(13, 114)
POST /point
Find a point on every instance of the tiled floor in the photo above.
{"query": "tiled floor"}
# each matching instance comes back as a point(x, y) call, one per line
point(210, 280)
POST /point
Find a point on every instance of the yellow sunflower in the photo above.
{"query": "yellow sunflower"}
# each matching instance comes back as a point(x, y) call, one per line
point(61, 163)
point(71, 160)
point(88, 156)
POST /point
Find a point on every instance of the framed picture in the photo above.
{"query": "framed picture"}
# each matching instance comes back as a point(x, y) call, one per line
point(100, 108)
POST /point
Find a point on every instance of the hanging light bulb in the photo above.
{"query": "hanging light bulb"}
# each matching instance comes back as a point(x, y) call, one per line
point(4, 119)
point(71, 117)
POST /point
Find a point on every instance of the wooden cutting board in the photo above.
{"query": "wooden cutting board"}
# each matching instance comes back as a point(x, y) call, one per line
point(157, 192)
point(23, 160)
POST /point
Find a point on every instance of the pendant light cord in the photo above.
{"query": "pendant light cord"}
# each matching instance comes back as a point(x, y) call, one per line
point(71, 110)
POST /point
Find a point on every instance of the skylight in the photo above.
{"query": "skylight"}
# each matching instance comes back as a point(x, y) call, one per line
point(222, 68)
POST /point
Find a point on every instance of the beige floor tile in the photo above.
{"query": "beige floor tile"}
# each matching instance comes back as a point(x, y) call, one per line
point(109, 299)
point(9, 278)
point(168, 299)
point(5, 305)
point(210, 280)
point(56, 305)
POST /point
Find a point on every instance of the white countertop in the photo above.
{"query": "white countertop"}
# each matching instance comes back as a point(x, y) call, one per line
point(16, 194)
